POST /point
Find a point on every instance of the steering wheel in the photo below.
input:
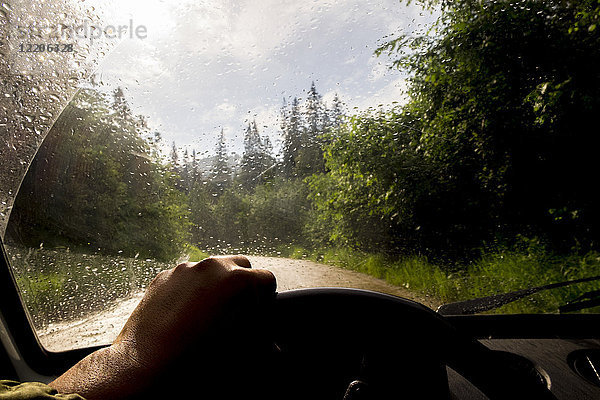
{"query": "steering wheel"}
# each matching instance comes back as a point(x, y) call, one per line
point(334, 343)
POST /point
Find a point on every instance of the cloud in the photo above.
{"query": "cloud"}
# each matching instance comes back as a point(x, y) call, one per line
point(379, 69)
point(212, 64)
point(134, 63)
point(227, 110)
point(394, 93)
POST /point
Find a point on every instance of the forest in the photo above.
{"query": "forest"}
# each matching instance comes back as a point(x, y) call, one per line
point(492, 159)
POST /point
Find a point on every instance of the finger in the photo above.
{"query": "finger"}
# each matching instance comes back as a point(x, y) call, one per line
point(237, 260)
point(265, 285)
point(262, 282)
point(265, 278)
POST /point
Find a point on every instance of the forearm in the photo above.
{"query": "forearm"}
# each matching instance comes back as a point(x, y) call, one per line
point(109, 373)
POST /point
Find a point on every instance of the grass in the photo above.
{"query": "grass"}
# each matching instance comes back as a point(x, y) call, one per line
point(492, 273)
point(509, 271)
point(59, 284)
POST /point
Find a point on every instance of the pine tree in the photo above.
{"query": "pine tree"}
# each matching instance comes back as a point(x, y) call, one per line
point(309, 159)
point(194, 167)
point(257, 159)
point(336, 113)
point(174, 156)
point(251, 166)
point(154, 141)
point(185, 171)
point(120, 105)
point(220, 174)
point(292, 131)
point(266, 159)
point(315, 115)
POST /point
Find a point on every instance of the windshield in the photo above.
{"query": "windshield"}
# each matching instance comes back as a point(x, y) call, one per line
point(439, 151)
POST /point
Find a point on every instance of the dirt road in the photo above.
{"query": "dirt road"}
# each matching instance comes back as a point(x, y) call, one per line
point(101, 328)
point(297, 274)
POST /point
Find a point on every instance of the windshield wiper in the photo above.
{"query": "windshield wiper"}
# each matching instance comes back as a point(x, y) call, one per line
point(487, 303)
point(587, 300)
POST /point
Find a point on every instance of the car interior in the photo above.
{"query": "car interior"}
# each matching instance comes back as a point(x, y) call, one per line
point(138, 134)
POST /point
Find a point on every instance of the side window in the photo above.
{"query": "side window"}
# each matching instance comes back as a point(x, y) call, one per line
point(95, 218)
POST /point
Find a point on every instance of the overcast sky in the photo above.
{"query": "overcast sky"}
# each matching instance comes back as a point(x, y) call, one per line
point(207, 65)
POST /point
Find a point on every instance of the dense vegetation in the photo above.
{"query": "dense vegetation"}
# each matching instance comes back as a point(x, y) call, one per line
point(502, 113)
point(486, 174)
point(95, 184)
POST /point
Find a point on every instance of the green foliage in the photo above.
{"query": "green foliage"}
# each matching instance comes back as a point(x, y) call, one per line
point(194, 254)
point(260, 220)
point(231, 211)
point(60, 284)
point(277, 212)
point(505, 95)
point(494, 141)
point(497, 140)
point(376, 177)
point(95, 185)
